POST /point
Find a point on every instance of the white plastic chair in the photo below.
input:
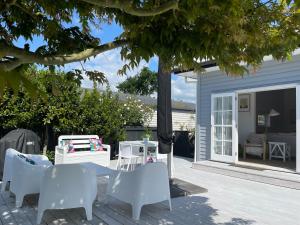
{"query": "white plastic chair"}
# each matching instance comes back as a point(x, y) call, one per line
point(8, 167)
point(126, 152)
point(147, 184)
point(8, 164)
point(68, 186)
point(26, 178)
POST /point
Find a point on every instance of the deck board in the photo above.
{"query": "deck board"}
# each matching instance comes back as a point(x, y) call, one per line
point(229, 201)
point(19, 214)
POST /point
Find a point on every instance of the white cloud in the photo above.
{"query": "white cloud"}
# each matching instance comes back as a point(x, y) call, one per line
point(183, 91)
point(109, 63)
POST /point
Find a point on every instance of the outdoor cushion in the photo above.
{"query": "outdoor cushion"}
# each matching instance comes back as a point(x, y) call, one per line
point(68, 146)
point(96, 144)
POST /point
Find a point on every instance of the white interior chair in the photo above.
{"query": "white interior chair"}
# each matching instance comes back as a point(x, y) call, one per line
point(26, 178)
point(126, 152)
point(147, 184)
point(68, 186)
point(256, 144)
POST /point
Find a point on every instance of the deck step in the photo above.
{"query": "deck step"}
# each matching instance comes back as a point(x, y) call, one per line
point(277, 178)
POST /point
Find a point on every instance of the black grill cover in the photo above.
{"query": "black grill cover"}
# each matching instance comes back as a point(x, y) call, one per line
point(22, 140)
point(164, 111)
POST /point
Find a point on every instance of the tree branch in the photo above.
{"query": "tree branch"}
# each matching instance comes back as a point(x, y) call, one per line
point(22, 56)
point(126, 6)
point(22, 8)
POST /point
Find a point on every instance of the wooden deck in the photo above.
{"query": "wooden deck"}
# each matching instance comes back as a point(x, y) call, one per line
point(229, 201)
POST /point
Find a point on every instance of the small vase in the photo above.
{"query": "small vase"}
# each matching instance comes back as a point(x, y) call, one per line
point(145, 140)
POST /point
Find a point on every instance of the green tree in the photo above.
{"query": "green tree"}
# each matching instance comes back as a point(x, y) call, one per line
point(144, 83)
point(57, 108)
point(181, 33)
point(18, 111)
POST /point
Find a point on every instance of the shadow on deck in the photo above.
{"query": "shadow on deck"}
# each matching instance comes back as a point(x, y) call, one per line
point(186, 210)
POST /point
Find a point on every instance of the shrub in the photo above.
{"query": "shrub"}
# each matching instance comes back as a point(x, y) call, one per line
point(66, 110)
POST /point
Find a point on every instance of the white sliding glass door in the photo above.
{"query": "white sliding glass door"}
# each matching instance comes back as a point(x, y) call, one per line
point(223, 127)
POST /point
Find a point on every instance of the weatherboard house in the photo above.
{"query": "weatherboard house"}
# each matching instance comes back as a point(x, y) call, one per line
point(260, 109)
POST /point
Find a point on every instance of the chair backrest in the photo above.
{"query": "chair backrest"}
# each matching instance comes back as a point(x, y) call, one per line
point(67, 186)
point(39, 159)
point(125, 149)
point(146, 184)
point(25, 176)
point(78, 141)
point(154, 181)
point(256, 138)
point(8, 163)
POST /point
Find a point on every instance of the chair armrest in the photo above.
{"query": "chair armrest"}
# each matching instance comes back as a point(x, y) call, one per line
point(60, 150)
point(107, 147)
point(38, 157)
point(40, 160)
point(253, 145)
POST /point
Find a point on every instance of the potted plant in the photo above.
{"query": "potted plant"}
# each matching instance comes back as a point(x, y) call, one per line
point(147, 134)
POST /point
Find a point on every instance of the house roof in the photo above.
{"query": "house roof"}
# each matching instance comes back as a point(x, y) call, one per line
point(152, 101)
point(212, 66)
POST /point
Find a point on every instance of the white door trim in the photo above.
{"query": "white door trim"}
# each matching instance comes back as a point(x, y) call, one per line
point(298, 128)
point(224, 158)
point(281, 87)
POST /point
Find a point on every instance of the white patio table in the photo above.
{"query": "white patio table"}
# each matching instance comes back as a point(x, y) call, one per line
point(145, 145)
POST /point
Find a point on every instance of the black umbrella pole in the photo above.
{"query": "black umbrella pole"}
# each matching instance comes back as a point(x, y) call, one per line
point(164, 113)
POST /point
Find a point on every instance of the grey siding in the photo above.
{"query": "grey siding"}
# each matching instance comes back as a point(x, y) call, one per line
point(270, 73)
point(181, 120)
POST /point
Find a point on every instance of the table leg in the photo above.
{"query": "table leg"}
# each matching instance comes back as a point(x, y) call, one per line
point(284, 152)
point(145, 153)
point(271, 151)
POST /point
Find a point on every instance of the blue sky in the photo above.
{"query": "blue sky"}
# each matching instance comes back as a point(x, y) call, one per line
point(109, 62)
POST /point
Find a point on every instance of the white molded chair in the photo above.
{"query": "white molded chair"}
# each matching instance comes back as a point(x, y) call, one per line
point(126, 152)
point(26, 178)
point(147, 184)
point(8, 167)
point(67, 186)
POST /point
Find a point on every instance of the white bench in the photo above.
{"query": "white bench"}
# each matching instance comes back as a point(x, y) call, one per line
point(81, 142)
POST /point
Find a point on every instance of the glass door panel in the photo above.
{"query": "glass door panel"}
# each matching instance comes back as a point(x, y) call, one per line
point(222, 127)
